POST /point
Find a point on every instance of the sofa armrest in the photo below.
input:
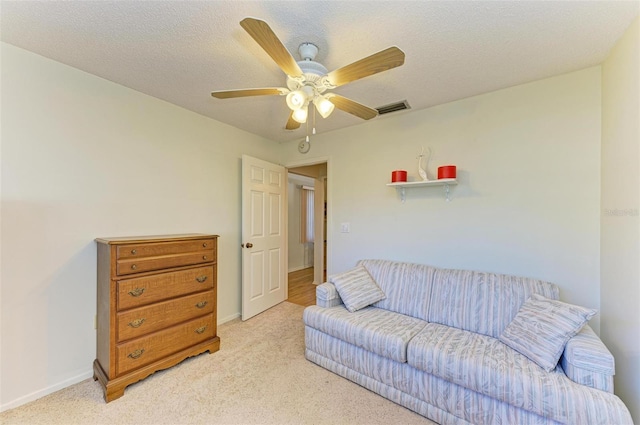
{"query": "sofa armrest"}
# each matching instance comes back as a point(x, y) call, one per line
point(587, 361)
point(327, 295)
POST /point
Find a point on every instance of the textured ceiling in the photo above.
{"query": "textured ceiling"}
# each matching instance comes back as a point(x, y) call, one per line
point(181, 51)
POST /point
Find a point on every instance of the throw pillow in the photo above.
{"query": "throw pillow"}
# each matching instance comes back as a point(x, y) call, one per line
point(357, 288)
point(542, 328)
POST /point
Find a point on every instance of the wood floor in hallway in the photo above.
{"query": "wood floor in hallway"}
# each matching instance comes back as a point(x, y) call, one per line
point(302, 291)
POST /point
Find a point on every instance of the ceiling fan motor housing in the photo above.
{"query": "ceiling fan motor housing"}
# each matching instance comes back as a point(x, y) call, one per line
point(308, 51)
point(313, 72)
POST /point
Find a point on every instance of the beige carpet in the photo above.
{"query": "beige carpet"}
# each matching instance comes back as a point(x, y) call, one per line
point(259, 376)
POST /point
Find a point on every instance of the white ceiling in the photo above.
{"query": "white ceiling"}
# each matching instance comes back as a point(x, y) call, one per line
point(180, 51)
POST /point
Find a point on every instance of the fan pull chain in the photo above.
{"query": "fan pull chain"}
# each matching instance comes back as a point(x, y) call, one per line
point(314, 120)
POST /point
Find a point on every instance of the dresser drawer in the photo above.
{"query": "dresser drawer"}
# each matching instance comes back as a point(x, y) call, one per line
point(142, 351)
point(144, 320)
point(163, 248)
point(140, 291)
point(145, 264)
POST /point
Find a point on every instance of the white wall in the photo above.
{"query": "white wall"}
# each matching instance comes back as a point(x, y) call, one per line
point(528, 202)
point(83, 158)
point(620, 223)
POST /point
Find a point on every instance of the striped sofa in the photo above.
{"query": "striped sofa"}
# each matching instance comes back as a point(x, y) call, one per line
point(432, 346)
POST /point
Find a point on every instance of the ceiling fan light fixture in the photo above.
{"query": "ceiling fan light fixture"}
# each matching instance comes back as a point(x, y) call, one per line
point(324, 106)
point(307, 80)
point(300, 115)
point(296, 99)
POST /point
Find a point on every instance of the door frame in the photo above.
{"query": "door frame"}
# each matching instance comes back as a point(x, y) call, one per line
point(318, 250)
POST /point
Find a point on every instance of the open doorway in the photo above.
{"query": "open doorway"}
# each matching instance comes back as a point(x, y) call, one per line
point(307, 223)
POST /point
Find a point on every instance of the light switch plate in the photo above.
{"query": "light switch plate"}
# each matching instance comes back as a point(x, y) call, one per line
point(345, 227)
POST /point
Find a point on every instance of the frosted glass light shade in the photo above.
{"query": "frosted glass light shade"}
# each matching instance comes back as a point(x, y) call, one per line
point(296, 99)
point(324, 106)
point(300, 115)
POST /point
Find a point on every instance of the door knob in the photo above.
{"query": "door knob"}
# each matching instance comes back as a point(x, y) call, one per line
point(248, 245)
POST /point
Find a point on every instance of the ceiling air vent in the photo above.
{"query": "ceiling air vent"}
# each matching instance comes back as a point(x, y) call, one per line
point(393, 107)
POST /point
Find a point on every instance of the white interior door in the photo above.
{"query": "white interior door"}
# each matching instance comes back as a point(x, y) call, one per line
point(264, 220)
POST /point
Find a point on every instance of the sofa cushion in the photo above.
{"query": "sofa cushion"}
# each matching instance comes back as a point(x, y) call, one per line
point(542, 328)
point(406, 285)
point(357, 288)
point(485, 365)
point(380, 331)
point(481, 302)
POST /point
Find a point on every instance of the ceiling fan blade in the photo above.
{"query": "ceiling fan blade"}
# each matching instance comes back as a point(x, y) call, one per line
point(291, 123)
point(378, 62)
point(227, 94)
point(352, 107)
point(267, 39)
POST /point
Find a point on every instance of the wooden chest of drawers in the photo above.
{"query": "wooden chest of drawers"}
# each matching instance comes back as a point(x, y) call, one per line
point(157, 305)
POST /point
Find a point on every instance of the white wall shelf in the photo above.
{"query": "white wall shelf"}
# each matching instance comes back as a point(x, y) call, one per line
point(401, 186)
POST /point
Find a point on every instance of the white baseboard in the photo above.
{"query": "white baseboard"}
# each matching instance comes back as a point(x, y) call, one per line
point(228, 318)
point(45, 391)
point(71, 381)
point(295, 269)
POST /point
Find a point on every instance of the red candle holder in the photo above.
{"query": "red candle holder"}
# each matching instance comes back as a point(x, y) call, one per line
point(398, 176)
point(447, 172)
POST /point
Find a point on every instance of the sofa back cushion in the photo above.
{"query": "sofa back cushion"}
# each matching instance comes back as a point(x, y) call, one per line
point(407, 286)
point(474, 301)
point(481, 302)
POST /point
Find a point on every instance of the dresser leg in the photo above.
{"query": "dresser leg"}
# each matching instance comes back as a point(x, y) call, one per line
point(112, 393)
point(112, 389)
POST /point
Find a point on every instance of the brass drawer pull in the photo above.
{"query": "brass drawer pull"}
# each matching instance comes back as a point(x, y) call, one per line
point(201, 329)
point(201, 279)
point(133, 267)
point(204, 245)
point(136, 354)
point(136, 292)
point(137, 323)
point(134, 252)
point(201, 304)
point(204, 257)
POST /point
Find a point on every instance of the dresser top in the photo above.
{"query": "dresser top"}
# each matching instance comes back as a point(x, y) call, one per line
point(153, 238)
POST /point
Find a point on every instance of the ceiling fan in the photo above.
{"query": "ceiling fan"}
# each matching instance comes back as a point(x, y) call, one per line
point(308, 81)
